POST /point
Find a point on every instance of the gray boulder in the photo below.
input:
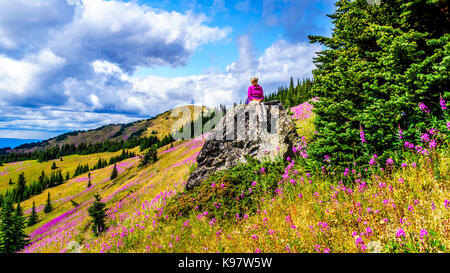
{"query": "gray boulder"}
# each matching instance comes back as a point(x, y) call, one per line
point(262, 131)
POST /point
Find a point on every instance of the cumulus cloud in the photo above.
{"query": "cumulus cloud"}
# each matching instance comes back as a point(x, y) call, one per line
point(26, 24)
point(102, 37)
point(79, 74)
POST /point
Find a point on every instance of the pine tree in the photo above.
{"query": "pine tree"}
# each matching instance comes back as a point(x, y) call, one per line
point(33, 218)
point(89, 181)
point(54, 165)
point(98, 213)
point(20, 188)
point(10, 182)
point(114, 172)
point(48, 207)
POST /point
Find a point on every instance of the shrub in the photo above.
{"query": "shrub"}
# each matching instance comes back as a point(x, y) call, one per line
point(231, 192)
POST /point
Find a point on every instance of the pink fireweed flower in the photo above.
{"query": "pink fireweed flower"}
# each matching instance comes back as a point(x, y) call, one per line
point(432, 144)
point(423, 108)
point(326, 158)
point(257, 250)
point(425, 137)
point(400, 233)
point(250, 190)
point(255, 237)
point(389, 161)
point(410, 208)
point(413, 164)
point(213, 185)
point(360, 243)
point(369, 231)
point(262, 170)
point(400, 132)
point(245, 216)
point(423, 233)
point(361, 134)
point(222, 186)
point(212, 222)
point(446, 203)
point(254, 183)
point(442, 103)
point(404, 165)
point(317, 248)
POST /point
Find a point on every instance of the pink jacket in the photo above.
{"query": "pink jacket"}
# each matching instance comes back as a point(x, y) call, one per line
point(255, 92)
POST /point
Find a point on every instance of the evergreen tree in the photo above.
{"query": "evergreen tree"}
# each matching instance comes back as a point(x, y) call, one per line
point(98, 213)
point(20, 188)
point(19, 210)
point(20, 237)
point(67, 176)
point(7, 227)
point(33, 218)
point(381, 62)
point(114, 172)
point(10, 182)
point(150, 156)
point(89, 180)
point(48, 207)
point(12, 235)
point(54, 165)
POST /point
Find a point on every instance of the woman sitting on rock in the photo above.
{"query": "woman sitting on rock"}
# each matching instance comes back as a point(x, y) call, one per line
point(255, 92)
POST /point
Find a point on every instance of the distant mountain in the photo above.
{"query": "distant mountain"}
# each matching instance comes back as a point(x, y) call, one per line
point(14, 142)
point(160, 126)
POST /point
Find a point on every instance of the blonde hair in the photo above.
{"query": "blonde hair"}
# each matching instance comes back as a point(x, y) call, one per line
point(254, 79)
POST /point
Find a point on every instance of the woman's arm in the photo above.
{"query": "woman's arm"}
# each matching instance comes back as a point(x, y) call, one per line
point(249, 93)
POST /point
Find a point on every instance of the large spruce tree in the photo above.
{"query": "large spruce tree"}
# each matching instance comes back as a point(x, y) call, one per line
point(380, 63)
point(98, 213)
point(12, 225)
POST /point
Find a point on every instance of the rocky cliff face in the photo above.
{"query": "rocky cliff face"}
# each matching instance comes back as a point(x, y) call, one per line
point(260, 130)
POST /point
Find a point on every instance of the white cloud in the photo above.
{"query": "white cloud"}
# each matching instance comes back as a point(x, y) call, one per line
point(80, 76)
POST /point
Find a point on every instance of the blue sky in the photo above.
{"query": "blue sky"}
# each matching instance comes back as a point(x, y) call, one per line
point(80, 64)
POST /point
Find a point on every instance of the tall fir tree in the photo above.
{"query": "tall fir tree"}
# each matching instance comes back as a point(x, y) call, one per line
point(381, 61)
point(98, 213)
point(33, 218)
point(12, 225)
point(48, 206)
point(114, 172)
point(89, 180)
point(20, 188)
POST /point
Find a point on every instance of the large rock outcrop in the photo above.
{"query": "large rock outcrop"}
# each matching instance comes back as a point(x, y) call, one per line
point(259, 130)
